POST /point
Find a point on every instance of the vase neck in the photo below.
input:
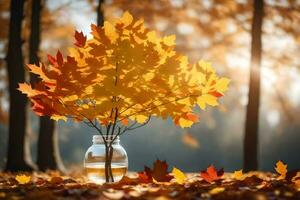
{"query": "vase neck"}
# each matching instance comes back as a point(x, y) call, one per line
point(98, 139)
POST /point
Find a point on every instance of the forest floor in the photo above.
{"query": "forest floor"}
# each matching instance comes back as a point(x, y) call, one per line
point(53, 185)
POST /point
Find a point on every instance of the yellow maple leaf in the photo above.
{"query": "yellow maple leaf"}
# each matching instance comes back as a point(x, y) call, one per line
point(216, 190)
point(238, 175)
point(58, 117)
point(127, 18)
point(281, 169)
point(222, 84)
point(110, 31)
point(141, 118)
point(23, 179)
point(169, 40)
point(179, 176)
point(207, 99)
point(184, 123)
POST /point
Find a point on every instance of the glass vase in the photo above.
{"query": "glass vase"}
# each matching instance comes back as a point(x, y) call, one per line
point(106, 160)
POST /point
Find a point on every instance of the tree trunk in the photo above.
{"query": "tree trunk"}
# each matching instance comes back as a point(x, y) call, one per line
point(18, 154)
point(100, 16)
point(252, 116)
point(48, 153)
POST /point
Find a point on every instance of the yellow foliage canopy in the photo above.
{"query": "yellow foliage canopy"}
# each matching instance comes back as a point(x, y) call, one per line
point(124, 72)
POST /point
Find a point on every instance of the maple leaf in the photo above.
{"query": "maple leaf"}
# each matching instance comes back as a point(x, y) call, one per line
point(281, 169)
point(27, 89)
point(145, 176)
point(59, 58)
point(211, 174)
point(58, 117)
point(23, 179)
point(179, 176)
point(159, 173)
point(238, 175)
point(51, 59)
point(296, 180)
point(56, 180)
point(129, 181)
point(190, 140)
point(80, 39)
point(125, 122)
point(192, 117)
point(216, 190)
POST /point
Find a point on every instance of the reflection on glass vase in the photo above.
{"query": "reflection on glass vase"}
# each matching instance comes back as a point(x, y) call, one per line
point(106, 160)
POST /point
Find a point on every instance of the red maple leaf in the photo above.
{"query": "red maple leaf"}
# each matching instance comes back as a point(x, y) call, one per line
point(59, 58)
point(80, 39)
point(52, 60)
point(211, 174)
point(159, 173)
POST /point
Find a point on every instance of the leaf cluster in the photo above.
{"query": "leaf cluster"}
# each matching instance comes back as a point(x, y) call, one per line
point(124, 73)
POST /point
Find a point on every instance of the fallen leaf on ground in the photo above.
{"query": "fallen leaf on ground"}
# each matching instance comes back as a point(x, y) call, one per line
point(178, 175)
point(211, 174)
point(159, 172)
point(56, 180)
point(23, 179)
point(238, 175)
point(281, 169)
point(216, 190)
point(128, 181)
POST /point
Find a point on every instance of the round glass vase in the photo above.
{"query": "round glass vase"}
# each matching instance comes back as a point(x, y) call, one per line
point(106, 160)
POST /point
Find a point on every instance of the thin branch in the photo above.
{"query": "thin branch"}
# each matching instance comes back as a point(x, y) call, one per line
point(153, 100)
point(154, 107)
point(140, 125)
point(90, 121)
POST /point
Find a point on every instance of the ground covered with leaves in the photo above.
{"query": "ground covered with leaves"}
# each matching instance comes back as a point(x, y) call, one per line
point(155, 183)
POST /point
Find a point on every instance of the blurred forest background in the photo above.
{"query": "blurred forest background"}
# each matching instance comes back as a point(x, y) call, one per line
point(220, 31)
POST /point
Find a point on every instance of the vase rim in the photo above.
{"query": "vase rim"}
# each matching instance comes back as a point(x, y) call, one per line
point(99, 139)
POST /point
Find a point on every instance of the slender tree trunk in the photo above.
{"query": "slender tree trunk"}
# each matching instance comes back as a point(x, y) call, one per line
point(108, 147)
point(109, 150)
point(252, 116)
point(48, 153)
point(100, 16)
point(18, 154)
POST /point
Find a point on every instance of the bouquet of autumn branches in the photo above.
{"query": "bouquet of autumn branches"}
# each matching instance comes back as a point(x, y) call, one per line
point(118, 79)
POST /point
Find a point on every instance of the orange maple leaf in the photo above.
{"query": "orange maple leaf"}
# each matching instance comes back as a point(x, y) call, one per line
point(211, 174)
point(193, 117)
point(281, 169)
point(125, 122)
